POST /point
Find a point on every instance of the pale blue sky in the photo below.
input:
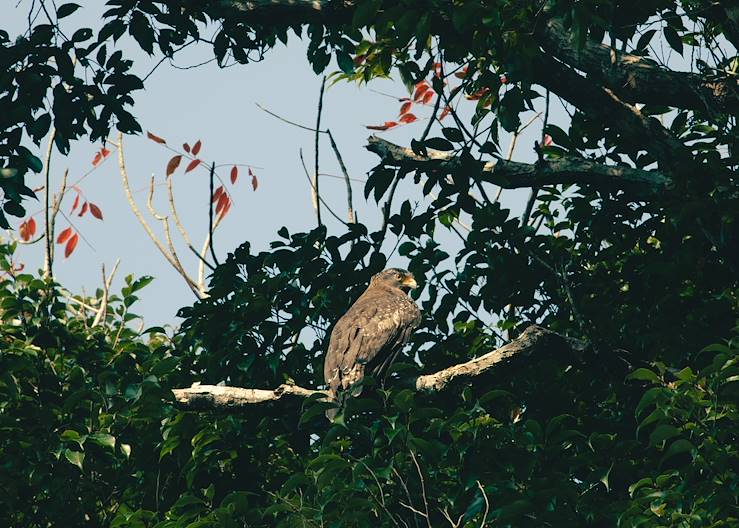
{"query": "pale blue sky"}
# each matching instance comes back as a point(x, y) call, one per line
point(218, 106)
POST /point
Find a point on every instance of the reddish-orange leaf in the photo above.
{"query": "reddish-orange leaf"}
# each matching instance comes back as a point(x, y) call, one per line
point(105, 152)
point(196, 147)
point(84, 209)
point(547, 140)
point(405, 107)
point(408, 118)
point(173, 164)
point(421, 88)
point(437, 69)
point(31, 227)
point(194, 163)
point(427, 96)
point(71, 244)
point(97, 159)
point(217, 194)
point(76, 203)
point(221, 202)
point(226, 208)
point(24, 231)
point(388, 124)
point(234, 174)
point(462, 73)
point(186, 147)
point(155, 138)
point(254, 182)
point(445, 112)
point(95, 211)
point(64, 235)
point(359, 59)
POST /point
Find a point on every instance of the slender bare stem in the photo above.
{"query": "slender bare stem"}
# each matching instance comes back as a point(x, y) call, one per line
point(47, 197)
point(316, 192)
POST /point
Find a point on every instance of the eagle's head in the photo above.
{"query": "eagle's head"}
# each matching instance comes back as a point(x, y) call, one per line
point(395, 278)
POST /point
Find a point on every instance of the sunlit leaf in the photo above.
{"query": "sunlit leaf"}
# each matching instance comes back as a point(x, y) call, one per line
point(155, 138)
point(71, 244)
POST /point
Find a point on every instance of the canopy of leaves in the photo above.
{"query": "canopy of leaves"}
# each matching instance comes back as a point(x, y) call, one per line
point(640, 429)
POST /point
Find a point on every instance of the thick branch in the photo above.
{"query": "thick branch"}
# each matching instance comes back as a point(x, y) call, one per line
point(639, 80)
point(534, 340)
point(514, 175)
point(602, 103)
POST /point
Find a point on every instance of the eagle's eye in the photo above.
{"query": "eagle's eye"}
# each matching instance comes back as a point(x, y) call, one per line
point(398, 276)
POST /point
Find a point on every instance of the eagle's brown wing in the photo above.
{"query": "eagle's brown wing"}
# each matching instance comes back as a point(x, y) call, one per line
point(369, 335)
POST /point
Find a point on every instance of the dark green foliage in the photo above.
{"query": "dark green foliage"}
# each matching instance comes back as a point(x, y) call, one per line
point(638, 429)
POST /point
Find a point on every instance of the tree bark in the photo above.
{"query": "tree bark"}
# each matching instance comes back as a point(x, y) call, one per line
point(514, 175)
point(534, 340)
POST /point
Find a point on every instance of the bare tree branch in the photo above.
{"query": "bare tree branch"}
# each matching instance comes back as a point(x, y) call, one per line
point(534, 340)
point(514, 175)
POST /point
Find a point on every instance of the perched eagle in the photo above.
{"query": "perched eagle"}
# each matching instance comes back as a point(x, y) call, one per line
point(370, 335)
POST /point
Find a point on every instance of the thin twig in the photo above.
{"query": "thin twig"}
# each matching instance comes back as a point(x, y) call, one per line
point(316, 192)
point(310, 182)
point(349, 204)
point(47, 219)
point(210, 215)
point(487, 504)
point(423, 488)
point(107, 281)
point(50, 229)
point(140, 217)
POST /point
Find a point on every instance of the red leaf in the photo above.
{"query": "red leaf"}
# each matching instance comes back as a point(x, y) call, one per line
point(173, 164)
point(71, 245)
point(359, 59)
point(64, 235)
point(445, 112)
point(504, 79)
point(547, 140)
point(428, 97)
point(462, 73)
point(234, 174)
point(105, 152)
point(421, 88)
point(226, 207)
point(217, 194)
point(196, 147)
point(388, 124)
point(194, 163)
point(83, 210)
point(437, 69)
point(24, 232)
point(31, 227)
point(76, 203)
point(408, 118)
point(95, 211)
point(254, 182)
point(97, 159)
point(222, 199)
point(157, 139)
point(186, 147)
point(405, 107)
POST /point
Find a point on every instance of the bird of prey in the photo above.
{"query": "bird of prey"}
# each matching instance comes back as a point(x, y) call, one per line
point(370, 334)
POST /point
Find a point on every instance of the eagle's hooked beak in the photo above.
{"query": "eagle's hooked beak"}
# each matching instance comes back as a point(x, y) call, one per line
point(410, 282)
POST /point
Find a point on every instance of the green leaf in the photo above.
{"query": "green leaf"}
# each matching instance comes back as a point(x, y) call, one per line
point(678, 447)
point(74, 457)
point(452, 134)
point(438, 144)
point(661, 433)
point(365, 13)
point(639, 484)
point(643, 374)
point(126, 450)
point(673, 39)
point(66, 9)
point(345, 62)
point(644, 40)
point(103, 440)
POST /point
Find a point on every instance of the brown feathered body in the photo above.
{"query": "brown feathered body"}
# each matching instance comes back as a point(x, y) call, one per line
point(370, 334)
